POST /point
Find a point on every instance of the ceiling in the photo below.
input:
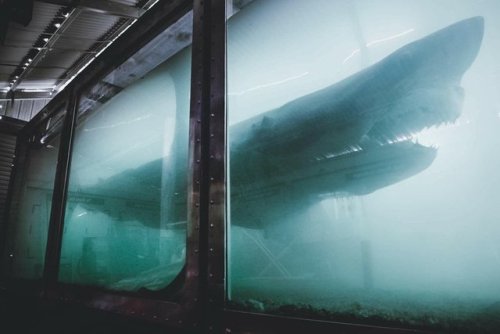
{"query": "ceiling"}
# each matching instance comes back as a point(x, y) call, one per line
point(45, 43)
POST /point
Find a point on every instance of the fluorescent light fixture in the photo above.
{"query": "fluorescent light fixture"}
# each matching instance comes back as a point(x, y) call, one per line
point(26, 64)
point(57, 25)
point(30, 60)
point(151, 6)
point(31, 90)
point(46, 39)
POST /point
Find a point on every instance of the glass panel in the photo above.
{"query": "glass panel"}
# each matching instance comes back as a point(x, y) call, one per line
point(31, 202)
point(363, 161)
point(125, 223)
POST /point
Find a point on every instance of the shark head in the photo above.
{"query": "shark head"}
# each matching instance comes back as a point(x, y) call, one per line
point(426, 86)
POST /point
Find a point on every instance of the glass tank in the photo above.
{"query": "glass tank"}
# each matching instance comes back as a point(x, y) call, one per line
point(29, 215)
point(363, 171)
point(125, 219)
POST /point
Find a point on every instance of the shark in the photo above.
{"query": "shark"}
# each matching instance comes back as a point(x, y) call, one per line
point(350, 138)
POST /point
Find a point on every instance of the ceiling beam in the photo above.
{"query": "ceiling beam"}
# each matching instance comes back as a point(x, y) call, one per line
point(25, 95)
point(100, 6)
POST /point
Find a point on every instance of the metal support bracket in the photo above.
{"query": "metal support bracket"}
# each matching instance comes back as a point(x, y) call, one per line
point(100, 6)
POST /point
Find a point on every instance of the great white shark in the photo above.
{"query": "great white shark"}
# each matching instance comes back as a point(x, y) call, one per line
point(345, 139)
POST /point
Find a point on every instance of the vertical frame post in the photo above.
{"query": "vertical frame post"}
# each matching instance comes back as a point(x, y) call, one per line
point(18, 160)
point(207, 181)
point(56, 223)
point(217, 157)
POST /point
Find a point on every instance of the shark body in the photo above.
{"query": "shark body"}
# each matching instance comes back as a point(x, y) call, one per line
point(345, 139)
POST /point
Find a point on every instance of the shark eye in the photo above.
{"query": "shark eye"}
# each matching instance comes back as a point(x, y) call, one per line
point(425, 109)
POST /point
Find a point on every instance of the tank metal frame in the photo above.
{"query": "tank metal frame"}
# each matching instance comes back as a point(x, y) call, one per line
point(200, 305)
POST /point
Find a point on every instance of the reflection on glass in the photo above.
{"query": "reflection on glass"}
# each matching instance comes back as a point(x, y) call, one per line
point(363, 176)
point(125, 222)
point(31, 203)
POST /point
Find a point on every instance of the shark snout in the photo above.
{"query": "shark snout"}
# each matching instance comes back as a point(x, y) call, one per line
point(456, 47)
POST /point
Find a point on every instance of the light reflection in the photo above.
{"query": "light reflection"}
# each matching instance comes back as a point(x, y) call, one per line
point(377, 41)
point(275, 83)
point(137, 119)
